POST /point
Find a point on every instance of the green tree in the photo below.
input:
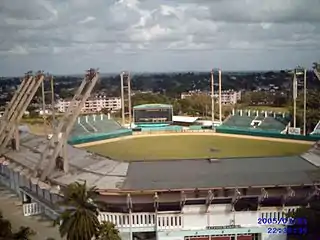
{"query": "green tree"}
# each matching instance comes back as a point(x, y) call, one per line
point(79, 220)
point(6, 232)
point(108, 231)
point(5, 227)
point(147, 98)
point(312, 113)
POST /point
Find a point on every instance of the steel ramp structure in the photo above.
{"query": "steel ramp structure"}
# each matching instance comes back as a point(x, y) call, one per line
point(14, 102)
point(56, 143)
point(17, 107)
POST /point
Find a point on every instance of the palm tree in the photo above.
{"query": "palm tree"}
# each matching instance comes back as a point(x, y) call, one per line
point(24, 233)
point(79, 220)
point(108, 231)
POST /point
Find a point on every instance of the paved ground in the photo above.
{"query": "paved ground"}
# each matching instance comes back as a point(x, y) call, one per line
point(11, 208)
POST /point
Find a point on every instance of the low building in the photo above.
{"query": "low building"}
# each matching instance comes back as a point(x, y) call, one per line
point(95, 104)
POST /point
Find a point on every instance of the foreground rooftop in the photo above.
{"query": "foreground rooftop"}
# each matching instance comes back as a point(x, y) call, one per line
point(162, 175)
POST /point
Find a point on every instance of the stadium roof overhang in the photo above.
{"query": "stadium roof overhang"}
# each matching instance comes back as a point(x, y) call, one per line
point(152, 106)
point(184, 119)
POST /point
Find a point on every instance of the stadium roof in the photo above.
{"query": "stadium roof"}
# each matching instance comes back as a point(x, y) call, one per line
point(184, 119)
point(232, 172)
point(105, 173)
point(152, 106)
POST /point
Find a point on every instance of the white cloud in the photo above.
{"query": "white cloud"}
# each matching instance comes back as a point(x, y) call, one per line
point(87, 19)
point(18, 50)
point(158, 34)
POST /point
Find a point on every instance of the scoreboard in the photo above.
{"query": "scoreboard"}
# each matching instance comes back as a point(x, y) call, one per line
point(159, 115)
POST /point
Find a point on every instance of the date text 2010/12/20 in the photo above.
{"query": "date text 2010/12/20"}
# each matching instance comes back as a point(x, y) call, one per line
point(280, 221)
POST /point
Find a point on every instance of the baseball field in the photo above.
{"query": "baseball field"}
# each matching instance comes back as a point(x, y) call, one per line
point(195, 146)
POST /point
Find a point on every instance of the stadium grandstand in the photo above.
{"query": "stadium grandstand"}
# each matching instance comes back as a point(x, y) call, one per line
point(92, 128)
point(257, 120)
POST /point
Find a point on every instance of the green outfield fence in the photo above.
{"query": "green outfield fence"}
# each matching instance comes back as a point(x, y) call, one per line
point(263, 133)
point(99, 136)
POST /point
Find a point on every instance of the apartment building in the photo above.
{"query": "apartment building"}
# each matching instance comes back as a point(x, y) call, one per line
point(95, 104)
point(227, 96)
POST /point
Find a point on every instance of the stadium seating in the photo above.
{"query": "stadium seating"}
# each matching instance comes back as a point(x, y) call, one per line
point(271, 123)
point(260, 118)
point(94, 128)
point(239, 121)
point(267, 121)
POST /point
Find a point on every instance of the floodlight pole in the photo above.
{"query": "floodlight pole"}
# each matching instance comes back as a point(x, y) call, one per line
point(305, 102)
point(294, 91)
point(123, 119)
point(220, 104)
point(212, 98)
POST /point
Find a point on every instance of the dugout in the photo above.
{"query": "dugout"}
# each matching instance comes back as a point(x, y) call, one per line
point(152, 114)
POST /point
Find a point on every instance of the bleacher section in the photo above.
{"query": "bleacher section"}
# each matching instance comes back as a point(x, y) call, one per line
point(271, 123)
point(256, 121)
point(239, 121)
point(96, 128)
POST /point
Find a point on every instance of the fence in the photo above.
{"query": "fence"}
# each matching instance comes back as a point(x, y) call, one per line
point(262, 133)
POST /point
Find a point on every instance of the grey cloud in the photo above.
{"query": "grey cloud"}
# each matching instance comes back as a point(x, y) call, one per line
point(157, 34)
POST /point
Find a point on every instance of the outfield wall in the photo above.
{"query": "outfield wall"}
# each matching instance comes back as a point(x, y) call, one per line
point(268, 134)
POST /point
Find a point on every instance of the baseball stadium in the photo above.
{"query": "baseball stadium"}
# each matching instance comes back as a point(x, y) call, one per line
point(164, 177)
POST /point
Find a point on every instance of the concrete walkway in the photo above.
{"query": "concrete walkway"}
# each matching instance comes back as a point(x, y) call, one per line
point(11, 208)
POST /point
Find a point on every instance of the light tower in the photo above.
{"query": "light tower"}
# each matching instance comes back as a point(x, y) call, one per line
point(48, 90)
point(212, 98)
point(126, 113)
point(220, 104)
point(294, 96)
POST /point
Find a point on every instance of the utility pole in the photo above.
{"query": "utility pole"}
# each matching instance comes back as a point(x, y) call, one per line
point(212, 98)
point(220, 106)
point(305, 103)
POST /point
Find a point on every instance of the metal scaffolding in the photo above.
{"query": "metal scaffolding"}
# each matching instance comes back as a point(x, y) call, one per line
point(54, 155)
point(16, 108)
point(126, 112)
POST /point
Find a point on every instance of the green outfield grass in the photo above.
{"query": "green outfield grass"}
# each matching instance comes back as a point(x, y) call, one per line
point(178, 147)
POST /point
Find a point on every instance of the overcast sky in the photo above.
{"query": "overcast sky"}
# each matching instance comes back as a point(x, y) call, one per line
point(69, 36)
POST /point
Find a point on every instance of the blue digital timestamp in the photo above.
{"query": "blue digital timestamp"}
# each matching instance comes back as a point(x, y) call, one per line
point(288, 230)
point(282, 221)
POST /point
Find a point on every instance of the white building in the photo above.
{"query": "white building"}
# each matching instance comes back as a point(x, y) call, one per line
point(227, 96)
point(94, 104)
